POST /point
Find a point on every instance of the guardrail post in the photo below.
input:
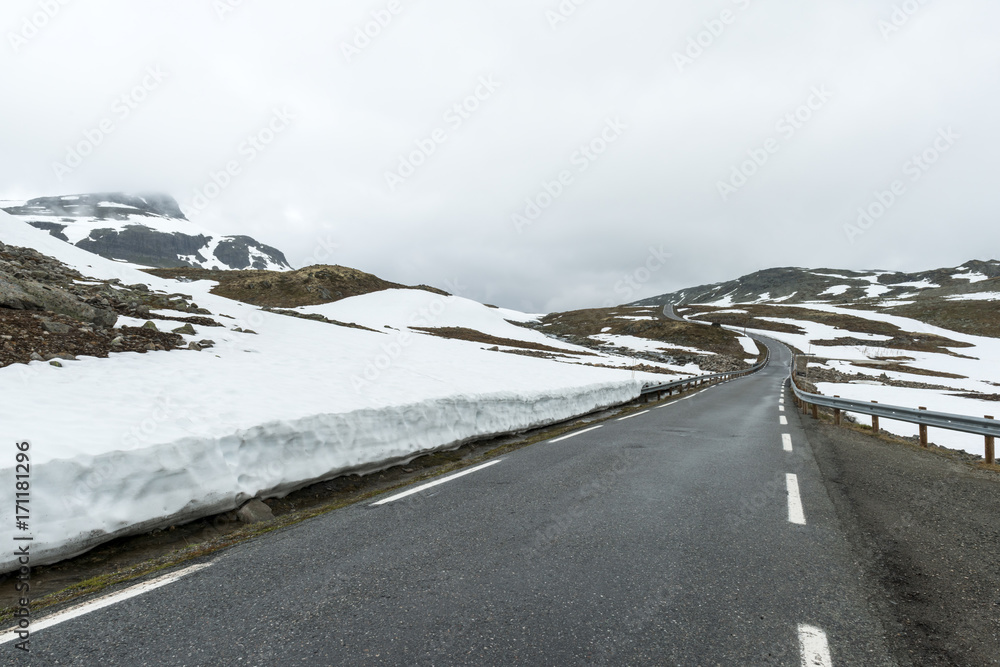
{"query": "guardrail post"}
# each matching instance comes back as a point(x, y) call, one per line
point(991, 457)
point(836, 415)
point(875, 428)
point(923, 432)
point(815, 411)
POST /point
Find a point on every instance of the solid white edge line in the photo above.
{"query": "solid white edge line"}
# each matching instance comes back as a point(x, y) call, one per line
point(573, 435)
point(786, 442)
point(814, 646)
point(101, 603)
point(424, 487)
point(795, 513)
point(783, 421)
point(621, 419)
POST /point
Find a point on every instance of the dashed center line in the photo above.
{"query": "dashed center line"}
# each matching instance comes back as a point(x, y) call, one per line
point(621, 419)
point(781, 408)
point(424, 487)
point(106, 601)
point(795, 512)
point(783, 420)
point(573, 435)
point(814, 646)
point(786, 441)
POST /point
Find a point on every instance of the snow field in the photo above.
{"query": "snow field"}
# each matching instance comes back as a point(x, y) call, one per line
point(138, 441)
point(979, 372)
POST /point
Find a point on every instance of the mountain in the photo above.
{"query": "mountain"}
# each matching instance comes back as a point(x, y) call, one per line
point(146, 229)
point(874, 289)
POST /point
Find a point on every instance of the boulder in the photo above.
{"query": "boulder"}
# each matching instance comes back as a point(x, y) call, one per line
point(56, 327)
point(25, 294)
point(255, 511)
point(186, 330)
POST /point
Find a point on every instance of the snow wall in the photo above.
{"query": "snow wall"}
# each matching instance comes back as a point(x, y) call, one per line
point(79, 503)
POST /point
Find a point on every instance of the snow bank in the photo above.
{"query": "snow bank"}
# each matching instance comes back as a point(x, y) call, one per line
point(136, 441)
point(80, 502)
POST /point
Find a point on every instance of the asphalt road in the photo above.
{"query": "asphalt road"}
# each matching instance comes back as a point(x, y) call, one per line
point(663, 539)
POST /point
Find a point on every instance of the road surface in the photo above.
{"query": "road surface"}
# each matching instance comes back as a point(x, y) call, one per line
point(687, 534)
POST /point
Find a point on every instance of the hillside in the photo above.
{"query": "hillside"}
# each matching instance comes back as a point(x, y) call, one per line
point(145, 229)
point(928, 339)
point(876, 289)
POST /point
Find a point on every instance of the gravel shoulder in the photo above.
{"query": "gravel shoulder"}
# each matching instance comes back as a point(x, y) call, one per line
point(926, 529)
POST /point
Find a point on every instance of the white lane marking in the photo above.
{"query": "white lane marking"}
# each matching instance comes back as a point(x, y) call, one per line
point(815, 647)
point(786, 441)
point(424, 487)
point(795, 512)
point(621, 419)
point(101, 603)
point(781, 401)
point(573, 435)
point(781, 408)
point(783, 421)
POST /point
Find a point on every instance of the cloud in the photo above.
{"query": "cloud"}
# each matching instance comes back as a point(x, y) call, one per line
point(321, 183)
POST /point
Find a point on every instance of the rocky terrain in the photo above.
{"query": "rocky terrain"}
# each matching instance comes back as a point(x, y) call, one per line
point(146, 229)
point(50, 312)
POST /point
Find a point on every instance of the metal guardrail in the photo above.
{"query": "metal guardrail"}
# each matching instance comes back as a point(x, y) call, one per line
point(704, 379)
point(986, 427)
point(952, 422)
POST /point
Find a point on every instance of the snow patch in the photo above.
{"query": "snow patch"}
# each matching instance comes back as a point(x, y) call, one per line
point(975, 296)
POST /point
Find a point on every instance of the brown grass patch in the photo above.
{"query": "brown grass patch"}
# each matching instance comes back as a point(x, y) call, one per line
point(901, 368)
point(977, 318)
point(311, 286)
point(461, 333)
point(578, 325)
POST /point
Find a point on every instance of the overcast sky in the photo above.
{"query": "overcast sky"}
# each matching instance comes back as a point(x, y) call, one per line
point(669, 98)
